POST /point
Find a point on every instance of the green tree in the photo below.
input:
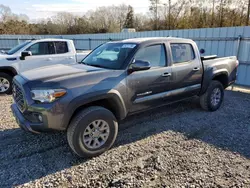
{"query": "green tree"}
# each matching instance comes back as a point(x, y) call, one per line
point(165, 14)
point(129, 22)
point(154, 9)
point(5, 13)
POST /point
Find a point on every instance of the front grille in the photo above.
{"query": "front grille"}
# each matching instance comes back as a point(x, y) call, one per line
point(18, 96)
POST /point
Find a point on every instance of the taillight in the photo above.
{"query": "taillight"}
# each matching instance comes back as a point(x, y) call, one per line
point(237, 63)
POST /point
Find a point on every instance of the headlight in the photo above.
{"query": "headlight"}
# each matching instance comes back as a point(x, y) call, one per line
point(48, 95)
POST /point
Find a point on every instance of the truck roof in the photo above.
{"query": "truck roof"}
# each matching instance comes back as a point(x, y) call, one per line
point(155, 39)
point(50, 39)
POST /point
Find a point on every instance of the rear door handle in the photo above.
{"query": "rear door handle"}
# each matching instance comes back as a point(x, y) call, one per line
point(70, 58)
point(49, 59)
point(166, 74)
point(196, 69)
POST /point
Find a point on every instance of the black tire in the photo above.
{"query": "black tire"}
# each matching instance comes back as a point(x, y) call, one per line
point(81, 121)
point(205, 99)
point(9, 78)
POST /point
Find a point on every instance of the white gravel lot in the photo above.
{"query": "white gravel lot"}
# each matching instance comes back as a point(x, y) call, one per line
point(174, 146)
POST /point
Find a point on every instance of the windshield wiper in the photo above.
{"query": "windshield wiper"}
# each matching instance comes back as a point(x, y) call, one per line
point(99, 66)
point(84, 63)
point(93, 65)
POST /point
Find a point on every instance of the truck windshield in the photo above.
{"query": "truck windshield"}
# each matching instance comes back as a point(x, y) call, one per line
point(109, 55)
point(18, 47)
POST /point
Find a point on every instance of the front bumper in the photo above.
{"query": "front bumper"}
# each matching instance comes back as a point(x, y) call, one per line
point(23, 123)
point(52, 118)
point(38, 117)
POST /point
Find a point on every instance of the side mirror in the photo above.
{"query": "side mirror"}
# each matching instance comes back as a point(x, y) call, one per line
point(116, 49)
point(202, 51)
point(25, 54)
point(139, 65)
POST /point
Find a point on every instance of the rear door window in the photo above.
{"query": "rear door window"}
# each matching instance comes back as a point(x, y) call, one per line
point(42, 48)
point(182, 53)
point(61, 47)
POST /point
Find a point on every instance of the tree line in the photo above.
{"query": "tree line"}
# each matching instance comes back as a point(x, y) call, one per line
point(161, 15)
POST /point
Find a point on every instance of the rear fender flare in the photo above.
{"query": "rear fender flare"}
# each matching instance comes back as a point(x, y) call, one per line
point(209, 75)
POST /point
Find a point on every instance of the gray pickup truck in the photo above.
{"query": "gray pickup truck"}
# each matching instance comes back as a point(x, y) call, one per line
point(115, 80)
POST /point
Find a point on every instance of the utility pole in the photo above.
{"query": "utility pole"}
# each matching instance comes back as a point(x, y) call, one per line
point(169, 12)
point(156, 9)
point(221, 12)
point(212, 22)
point(248, 12)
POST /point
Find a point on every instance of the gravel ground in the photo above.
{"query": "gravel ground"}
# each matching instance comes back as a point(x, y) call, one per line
point(174, 146)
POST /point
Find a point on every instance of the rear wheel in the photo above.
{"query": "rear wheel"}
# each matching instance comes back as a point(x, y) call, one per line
point(5, 83)
point(92, 131)
point(212, 99)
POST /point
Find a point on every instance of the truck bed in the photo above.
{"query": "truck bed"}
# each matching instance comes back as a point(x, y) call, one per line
point(221, 63)
point(226, 66)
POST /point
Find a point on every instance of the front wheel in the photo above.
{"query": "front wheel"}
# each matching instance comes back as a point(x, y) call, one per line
point(212, 99)
point(5, 83)
point(92, 131)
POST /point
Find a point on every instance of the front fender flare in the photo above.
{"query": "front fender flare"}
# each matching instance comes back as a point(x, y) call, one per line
point(8, 68)
point(112, 95)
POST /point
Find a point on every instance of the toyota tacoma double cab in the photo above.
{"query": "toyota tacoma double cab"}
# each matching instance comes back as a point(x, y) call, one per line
point(34, 54)
point(115, 80)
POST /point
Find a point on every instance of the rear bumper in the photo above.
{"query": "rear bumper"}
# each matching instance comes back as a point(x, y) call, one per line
point(23, 123)
point(231, 83)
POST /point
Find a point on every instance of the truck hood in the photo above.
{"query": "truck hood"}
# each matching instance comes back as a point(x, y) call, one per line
point(8, 56)
point(1, 55)
point(6, 60)
point(57, 71)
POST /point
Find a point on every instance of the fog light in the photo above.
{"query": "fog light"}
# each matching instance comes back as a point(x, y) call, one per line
point(40, 118)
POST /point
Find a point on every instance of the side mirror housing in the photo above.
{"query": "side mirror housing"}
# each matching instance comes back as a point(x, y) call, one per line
point(116, 49)
point(139, 65)
point(3, 52)
point(25, 54)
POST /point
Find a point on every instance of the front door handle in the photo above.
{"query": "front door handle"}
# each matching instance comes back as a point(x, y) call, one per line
point(49, 59)
point(166, 74)
point(196, 69)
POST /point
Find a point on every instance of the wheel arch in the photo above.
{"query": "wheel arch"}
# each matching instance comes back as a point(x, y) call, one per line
point(8, 70)
point(112, 101)
point(220, 75)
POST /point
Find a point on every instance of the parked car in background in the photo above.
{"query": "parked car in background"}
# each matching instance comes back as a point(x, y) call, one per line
point(34, 54)
point(117, 79)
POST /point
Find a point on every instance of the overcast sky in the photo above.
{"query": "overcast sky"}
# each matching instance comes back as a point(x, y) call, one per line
point(37, 9)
